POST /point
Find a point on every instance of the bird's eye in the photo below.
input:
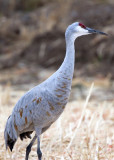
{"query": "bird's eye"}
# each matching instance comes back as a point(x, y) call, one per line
point(82, 25)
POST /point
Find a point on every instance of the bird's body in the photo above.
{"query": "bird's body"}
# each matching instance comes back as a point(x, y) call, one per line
point(42, 105)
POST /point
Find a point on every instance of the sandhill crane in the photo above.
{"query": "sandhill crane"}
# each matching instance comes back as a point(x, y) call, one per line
point(42, 105)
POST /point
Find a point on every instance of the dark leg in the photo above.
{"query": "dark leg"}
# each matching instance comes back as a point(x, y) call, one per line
point(39, 153)
point(28, 149)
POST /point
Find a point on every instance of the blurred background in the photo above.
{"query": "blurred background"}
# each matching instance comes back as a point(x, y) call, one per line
point(32, 44)
point(32, 47)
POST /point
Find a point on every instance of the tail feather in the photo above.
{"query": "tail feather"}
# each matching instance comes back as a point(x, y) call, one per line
point(10, 143)
point(10, 134)
point(25, 135)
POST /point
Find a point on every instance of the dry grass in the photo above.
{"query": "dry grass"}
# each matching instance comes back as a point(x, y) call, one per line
point(90, 125)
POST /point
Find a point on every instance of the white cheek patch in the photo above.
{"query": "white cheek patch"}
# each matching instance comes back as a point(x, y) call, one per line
point(81, 30)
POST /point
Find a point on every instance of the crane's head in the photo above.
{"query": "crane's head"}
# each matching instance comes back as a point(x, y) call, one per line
point(78, 29)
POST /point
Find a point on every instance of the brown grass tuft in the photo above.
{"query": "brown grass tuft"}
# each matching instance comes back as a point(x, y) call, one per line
point(92, 129)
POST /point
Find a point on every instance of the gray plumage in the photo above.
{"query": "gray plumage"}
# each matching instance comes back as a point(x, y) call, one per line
point(42, 105)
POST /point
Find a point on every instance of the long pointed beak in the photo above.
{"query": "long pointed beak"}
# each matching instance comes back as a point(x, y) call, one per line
point(96, 31)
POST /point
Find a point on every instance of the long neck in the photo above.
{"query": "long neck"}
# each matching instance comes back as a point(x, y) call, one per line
point(67, 66)
point(61, 80)
point(65, 73)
